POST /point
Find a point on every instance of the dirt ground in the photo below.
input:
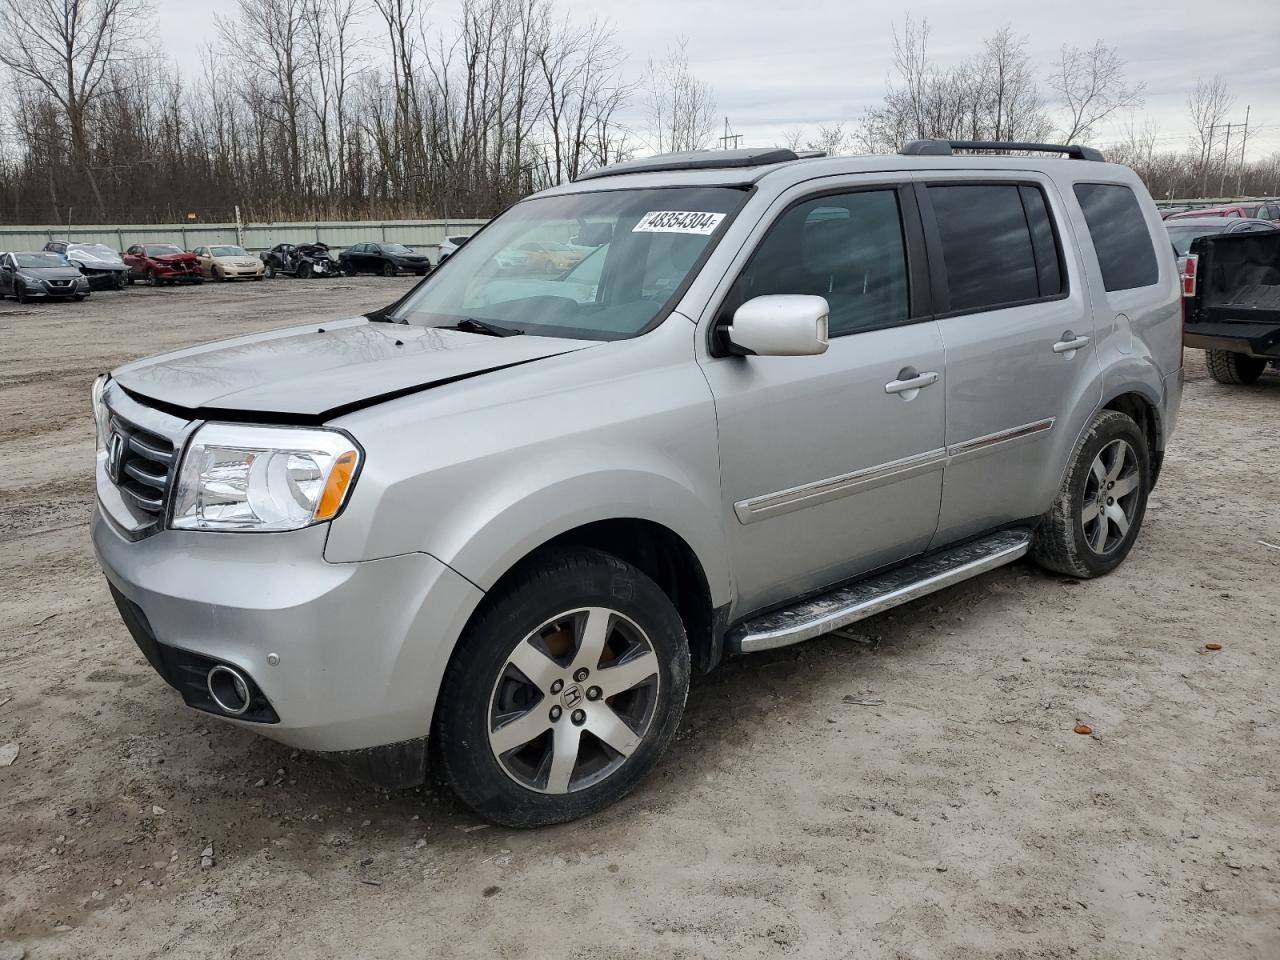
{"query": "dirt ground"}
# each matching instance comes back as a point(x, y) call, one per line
point(959, 818)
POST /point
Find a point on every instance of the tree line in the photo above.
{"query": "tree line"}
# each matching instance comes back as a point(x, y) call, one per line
point(354, 109)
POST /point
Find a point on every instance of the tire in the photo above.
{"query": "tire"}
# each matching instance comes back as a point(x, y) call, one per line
point(1072, 542)
point(350, 269)
point(152, 279)
point(218, 275)
point(80, 297)
point(550, 600)
point(1233, 368)
point(304, 271)
point(129, 278)
point(271, 271)
point(257, 277)
point(20, 293)
point(121, 281)
point(388, 270)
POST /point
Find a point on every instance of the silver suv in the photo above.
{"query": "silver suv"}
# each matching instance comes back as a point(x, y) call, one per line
point(753, 398)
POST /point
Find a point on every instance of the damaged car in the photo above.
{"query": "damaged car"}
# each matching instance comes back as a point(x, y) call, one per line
point(158, 264)
point(100, 264)
point(301, 260)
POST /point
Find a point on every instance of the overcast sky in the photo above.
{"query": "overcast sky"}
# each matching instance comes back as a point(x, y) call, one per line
point(776, 66)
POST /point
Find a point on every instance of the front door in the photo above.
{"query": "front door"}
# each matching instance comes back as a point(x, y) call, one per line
point(1022, 371)
point(831, 465)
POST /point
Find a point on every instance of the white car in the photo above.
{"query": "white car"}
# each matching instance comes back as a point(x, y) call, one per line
point(449, 245)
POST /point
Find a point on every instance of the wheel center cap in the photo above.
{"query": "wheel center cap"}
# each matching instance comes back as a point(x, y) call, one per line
point(571, 696)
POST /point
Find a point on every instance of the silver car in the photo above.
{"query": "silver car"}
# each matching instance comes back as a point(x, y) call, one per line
point(512, 514)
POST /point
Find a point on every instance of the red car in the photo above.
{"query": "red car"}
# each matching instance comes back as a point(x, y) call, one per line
point(157, 263)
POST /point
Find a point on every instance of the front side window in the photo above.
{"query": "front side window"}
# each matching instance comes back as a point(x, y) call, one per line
point(847, 248)
point(646, 242)
point(1120, 236)
point(988, 250)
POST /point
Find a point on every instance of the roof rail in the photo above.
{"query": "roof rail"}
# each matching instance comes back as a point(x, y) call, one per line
point(695, 160)
point(945, 148)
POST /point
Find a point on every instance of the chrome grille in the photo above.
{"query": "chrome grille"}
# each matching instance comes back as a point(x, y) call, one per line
point(140, 464)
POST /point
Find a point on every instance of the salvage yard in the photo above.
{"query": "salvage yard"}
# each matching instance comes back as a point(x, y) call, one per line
point(912, 790)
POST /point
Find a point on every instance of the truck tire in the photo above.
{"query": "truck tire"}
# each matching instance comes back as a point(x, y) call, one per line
point(1098, 512)
point(533, 725)
point(1234, 368)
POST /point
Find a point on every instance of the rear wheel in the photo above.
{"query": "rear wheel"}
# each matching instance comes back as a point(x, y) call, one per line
point(1099, 510)
point(563, 692)
point(1234, 368)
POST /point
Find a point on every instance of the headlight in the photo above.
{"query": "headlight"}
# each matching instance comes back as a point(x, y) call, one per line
point(101, 418)
point(238, 477)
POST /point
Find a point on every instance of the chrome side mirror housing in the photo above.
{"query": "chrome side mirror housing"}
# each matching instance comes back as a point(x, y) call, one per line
point(779, 325)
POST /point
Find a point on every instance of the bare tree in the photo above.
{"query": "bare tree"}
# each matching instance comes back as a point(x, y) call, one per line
point(1092, 86)
point(681, 108)
point(1208, 105)
point(992, 96)
point(68, 50)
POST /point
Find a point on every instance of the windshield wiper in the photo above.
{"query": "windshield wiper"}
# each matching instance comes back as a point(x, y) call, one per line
point(472, 325)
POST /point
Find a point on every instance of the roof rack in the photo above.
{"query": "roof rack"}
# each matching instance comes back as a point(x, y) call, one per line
point(696, 160)
point(945, 148)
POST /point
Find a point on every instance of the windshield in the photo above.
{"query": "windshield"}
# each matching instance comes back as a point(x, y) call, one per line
point(227, 252)
point(519, 272)
point(1183, 237)
point(40, 261)
point(161, 249)
point(395, 248)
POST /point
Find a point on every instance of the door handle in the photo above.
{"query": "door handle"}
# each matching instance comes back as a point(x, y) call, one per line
point(909, 382)
point(1069, 345)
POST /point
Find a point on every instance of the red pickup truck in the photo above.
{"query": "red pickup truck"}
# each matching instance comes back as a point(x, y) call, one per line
point(1260, 210)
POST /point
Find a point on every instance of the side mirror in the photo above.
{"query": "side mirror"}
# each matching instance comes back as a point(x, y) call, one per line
point(779, 325)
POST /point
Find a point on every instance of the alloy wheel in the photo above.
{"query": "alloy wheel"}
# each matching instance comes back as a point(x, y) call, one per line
point(573, 700)
point(1111, 496)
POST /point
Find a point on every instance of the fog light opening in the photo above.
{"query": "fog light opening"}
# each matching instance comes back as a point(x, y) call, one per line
point(229, 689)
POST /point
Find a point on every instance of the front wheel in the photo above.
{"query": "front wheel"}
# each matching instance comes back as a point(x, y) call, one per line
point(388, 270)
point(20, 293)
point(271, 271)
point(1093, 523)
point(1233, 368)
point(218, 275)
point(152, 279)
point(304, 271)
point(564, 692)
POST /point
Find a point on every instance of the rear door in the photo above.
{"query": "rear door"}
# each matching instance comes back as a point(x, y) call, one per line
point(1016, 324)
point(831, 465)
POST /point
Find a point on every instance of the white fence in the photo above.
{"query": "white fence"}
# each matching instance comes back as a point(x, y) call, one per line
point(253, 236)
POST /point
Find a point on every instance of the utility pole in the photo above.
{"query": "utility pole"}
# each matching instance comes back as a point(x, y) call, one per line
point(1243, 141)
point(729, 135)
point(1226, 145)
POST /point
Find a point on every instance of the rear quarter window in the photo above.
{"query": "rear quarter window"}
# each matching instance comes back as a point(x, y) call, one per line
point(1120, 235)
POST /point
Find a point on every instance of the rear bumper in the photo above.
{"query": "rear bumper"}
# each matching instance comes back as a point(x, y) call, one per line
point(1255, 339)
point(341, 656)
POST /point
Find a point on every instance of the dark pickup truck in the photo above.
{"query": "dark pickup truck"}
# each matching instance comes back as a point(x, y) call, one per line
point(1231, 283)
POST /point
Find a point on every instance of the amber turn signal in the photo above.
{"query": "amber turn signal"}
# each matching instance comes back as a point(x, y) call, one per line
point(335, 488)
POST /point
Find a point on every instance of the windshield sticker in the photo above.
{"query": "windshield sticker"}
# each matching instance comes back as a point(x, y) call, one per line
point(678, 221)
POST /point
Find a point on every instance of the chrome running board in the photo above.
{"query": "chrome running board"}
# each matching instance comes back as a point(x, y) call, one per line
point(865, 598)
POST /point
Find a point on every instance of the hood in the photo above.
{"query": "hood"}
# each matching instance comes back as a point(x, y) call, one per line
point(97, 261)
point(50, 273)
point(315, 373)
point(173, 258)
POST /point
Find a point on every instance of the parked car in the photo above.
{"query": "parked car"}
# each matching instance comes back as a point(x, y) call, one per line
point(160, 264)
point(1183, 231)
point(41, 276)
point(449, 245)
point(302, 260)
point(228, 262)
point(515, 517)
point(388, 259)
point(1231, 282)
point(548, 256)
point(1265, 210)
point(98, 262)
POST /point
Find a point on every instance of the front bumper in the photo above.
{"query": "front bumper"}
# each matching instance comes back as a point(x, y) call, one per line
point(47, 291)
point(360, 648)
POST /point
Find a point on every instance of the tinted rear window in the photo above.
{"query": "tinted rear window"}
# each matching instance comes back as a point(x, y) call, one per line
point(1120, 236)
point(986, 245)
